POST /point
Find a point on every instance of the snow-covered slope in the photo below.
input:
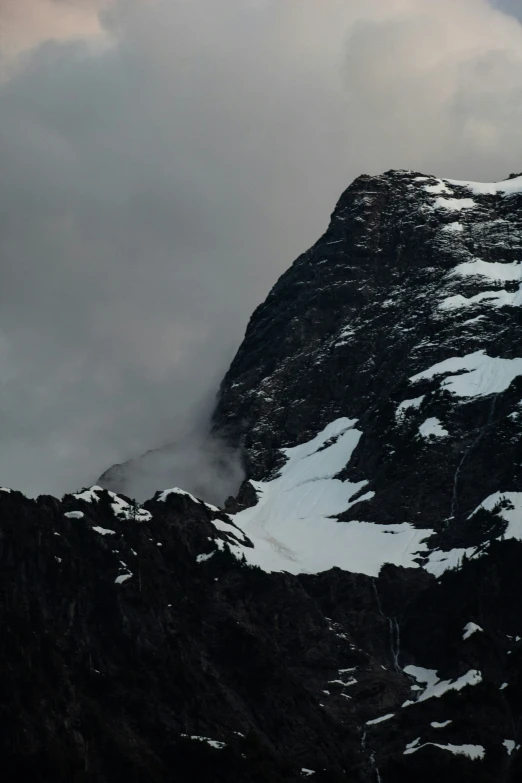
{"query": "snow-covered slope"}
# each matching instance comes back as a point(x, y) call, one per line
point(293, 525)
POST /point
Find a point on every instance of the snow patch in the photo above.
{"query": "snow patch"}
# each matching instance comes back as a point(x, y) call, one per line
point(230, 529)
point(177, 491)
point(510, 746)
point(74, 514)
point(407, 405)
point(479, 374)
point(380, 720)
point(454, 204)
point(121, 508)
point(435, 688)
point(440, 187)
point(470, 629)
point(213, 743)
point(440, 561)
point(493, 270)
point(130, 511)
point(203, 558)
point(436, 725)
point(89, 495)
point(345, 684)
point(103, 531)
point(432, 428)
point(455, 227)
point(505, 188)
point(473, 752)
point(344, 336)
point(122, 578)
point(472, 320)
point(496, 299)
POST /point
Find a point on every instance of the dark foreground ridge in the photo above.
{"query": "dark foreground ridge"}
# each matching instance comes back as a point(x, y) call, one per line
point(127, 653)
point(144, 644)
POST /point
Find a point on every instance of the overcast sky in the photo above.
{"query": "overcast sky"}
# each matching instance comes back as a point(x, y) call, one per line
point(164, 161)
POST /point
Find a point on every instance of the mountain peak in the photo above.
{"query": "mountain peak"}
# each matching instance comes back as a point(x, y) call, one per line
point(403, 318)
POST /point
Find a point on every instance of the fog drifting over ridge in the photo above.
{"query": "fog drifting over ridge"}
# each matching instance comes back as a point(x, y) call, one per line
point(164, 162)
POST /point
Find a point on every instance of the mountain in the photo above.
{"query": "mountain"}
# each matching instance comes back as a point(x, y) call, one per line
point(401, 329)
point(352, 613)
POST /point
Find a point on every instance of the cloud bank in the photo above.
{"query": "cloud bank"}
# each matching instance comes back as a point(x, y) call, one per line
point(163, 162)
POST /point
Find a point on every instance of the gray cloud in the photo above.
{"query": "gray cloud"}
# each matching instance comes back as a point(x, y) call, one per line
point(510, 6)
point(153, 188)
point(200, 463)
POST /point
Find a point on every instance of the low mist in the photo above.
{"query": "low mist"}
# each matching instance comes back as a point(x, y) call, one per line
point(203, 465)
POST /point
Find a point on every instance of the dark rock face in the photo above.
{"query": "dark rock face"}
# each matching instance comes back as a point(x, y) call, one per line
point(138, 644)
point(366, 309)
point(104, 680)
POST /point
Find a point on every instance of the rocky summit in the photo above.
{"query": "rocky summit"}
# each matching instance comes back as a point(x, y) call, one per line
point(352, 615)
